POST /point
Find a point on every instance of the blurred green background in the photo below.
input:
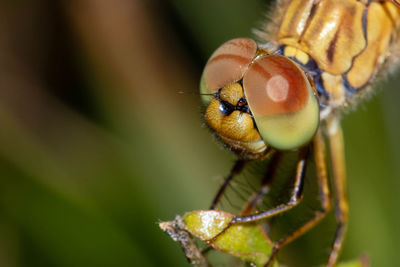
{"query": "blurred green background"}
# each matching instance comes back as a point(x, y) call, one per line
point(97, 145)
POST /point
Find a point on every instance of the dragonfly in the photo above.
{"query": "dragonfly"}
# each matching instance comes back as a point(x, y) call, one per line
point(287, 92)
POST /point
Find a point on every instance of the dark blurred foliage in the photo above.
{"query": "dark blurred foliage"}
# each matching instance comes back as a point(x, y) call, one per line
point(97, 145)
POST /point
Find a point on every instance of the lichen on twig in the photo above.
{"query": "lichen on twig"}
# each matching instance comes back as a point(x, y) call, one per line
point(176, 229)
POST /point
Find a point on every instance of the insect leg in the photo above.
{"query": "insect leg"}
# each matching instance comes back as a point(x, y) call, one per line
point(265, 184)
point(236, 169)
point(295, 197)
point(323, 187)
point(339, 183)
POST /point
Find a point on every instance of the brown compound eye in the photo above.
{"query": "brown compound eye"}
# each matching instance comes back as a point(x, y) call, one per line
point(227, 65)
point(282, 102)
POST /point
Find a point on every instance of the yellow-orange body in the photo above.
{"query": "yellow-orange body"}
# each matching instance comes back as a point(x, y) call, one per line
point(315, 57)
point(341, 43)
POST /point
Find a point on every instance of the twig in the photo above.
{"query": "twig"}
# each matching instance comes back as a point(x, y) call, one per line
point(176, 230)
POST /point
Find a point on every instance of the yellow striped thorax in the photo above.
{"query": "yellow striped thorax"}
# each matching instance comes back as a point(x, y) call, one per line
point(342, 43)
point(320, 56)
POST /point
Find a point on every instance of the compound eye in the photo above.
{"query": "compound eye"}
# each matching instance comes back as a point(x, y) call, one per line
point(227, 65)
point(282, 102)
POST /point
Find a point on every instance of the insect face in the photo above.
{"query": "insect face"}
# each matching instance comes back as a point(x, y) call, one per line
point(229, 116)
point(258, 100)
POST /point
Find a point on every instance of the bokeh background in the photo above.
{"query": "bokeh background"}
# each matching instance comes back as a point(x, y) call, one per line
point(97, 145)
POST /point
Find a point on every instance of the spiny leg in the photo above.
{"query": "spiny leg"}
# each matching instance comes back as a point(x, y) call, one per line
point(336, 144)
point(265, 184)
point(323, 188)
point(295, 197)
point(236, 169)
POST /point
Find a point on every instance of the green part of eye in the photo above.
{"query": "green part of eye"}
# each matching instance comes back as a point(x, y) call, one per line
point(293, 130)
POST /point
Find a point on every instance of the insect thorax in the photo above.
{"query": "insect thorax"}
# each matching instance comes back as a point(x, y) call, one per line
point(341, 44)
